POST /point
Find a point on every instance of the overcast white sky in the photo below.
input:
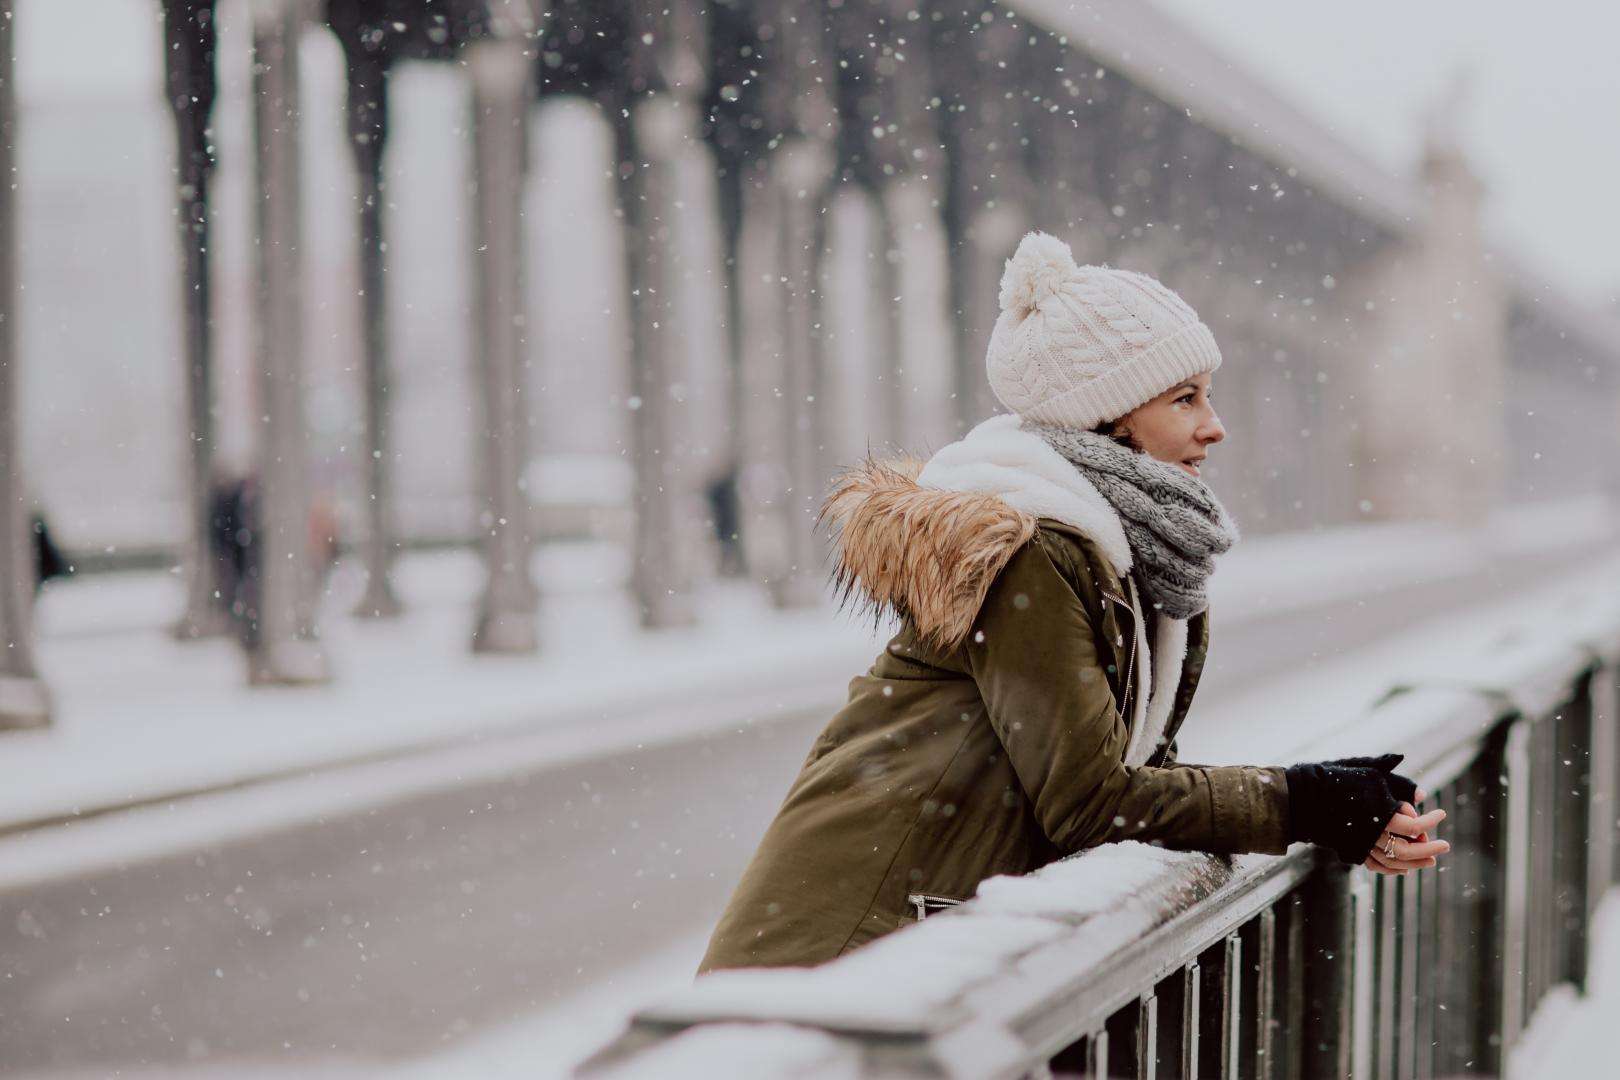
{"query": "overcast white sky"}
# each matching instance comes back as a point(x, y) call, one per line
point(1542, 125)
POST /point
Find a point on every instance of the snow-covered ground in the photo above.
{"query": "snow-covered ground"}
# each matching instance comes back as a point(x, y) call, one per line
point(140, 717)
point(1573, 1036)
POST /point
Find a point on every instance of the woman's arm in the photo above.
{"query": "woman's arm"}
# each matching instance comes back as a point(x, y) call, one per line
point(1034, 657)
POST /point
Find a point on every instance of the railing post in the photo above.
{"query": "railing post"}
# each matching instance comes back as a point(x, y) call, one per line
point(24, 702)
point(1514, 883)
point(1147, 1038)
point(1265, 1003)
point(1409, 1000)
point(1468, 1040)
point(283, 645)
point(1605, 762)
point(1385, 951)
point(499, 66)
point(1435, 967)
point(1288, 1040)
point(1574, 774)
point(1330, 961)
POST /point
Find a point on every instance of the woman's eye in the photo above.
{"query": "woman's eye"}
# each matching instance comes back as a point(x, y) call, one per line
point(1188, 398)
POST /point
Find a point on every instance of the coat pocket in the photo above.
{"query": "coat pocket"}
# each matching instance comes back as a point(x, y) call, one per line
point(924, 905)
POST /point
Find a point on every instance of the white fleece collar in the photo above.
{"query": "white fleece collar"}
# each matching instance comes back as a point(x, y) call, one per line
point(999, 458)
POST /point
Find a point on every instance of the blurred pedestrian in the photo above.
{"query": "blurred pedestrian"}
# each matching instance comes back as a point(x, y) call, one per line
point(1021, 714)
point(233, 515)
point(721, 493)
point(236, 546)
point(49, 562)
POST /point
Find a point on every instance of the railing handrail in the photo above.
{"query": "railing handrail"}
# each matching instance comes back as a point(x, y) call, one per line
point(1004, 1010)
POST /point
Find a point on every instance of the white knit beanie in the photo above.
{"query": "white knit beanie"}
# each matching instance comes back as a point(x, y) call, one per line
point(1078, 345)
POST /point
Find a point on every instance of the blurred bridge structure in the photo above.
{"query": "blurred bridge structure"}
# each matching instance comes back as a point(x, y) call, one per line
point(804, 209)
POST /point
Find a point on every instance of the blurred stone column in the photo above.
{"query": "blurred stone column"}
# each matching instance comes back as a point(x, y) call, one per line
point(988, 194)
point(191, 85)
point(799, 175)
point(886, 318)
point(500, 67)
point(658, 130)
point(368, 133)
point(24, 702)
point(980, 244)
point(284, 646)
point(922, 370)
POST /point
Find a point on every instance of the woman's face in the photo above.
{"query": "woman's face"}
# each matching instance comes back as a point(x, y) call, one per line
point(1179, 426)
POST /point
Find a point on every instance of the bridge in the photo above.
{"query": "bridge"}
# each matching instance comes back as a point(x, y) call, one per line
point(702, 254)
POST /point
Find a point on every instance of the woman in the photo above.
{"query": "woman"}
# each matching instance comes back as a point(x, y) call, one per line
point(1048, 570)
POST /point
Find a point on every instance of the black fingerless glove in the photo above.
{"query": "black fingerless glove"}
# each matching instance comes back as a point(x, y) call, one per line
point(1345, 804)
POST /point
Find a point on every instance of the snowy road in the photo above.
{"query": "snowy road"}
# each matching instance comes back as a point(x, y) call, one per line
point(395, 933)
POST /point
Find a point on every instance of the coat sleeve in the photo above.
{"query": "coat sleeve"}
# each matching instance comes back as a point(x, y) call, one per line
point(1034, 657)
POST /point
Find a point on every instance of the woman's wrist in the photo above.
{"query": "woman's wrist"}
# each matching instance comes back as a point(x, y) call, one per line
point(1344, 804)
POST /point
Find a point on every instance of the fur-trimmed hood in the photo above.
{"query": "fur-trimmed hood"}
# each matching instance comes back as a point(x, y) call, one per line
point(925, 541)
point(924, 554)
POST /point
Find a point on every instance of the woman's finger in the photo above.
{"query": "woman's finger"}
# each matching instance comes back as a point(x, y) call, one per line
point(1407, 809)
point(1421, 795)
point(1409, 826)
point(1408, 850)
point(1379, 868)
point(1394, 863)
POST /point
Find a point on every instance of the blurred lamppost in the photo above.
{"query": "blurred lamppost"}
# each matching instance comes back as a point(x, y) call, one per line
point(24, 702)
point(368, 133)
point(501, 68)
point(284, 646)
point(188, 59)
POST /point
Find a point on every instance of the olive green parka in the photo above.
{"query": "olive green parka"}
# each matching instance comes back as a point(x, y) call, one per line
point(990, 737)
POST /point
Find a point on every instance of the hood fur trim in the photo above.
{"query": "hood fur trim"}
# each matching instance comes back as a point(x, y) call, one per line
point(919, 552)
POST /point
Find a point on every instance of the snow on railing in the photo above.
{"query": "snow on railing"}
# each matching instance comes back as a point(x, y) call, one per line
point(1130, 960)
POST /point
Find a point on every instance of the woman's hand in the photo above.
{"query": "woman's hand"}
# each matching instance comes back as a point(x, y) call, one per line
point(1404, 845)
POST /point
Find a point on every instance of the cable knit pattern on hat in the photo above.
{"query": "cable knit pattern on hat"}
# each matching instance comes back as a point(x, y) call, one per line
point(1077, 345)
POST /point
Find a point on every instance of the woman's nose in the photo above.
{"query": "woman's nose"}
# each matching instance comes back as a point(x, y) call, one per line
point(1212, 431)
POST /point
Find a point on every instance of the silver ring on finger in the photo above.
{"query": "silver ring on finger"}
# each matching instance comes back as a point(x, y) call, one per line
point(1389, 847)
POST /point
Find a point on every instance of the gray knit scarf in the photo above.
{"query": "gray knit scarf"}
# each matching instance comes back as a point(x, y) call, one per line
point(1174, 524)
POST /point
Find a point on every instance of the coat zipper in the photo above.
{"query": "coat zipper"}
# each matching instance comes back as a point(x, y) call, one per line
point(927, 905)
point(1127, 687)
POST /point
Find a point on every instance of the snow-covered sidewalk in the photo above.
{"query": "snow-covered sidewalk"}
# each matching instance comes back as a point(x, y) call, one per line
point(141, 718)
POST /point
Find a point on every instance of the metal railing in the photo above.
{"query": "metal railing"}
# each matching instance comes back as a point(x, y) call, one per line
point(1255, 966)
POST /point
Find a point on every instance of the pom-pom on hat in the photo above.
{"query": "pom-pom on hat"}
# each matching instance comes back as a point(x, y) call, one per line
point(1079, 345)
